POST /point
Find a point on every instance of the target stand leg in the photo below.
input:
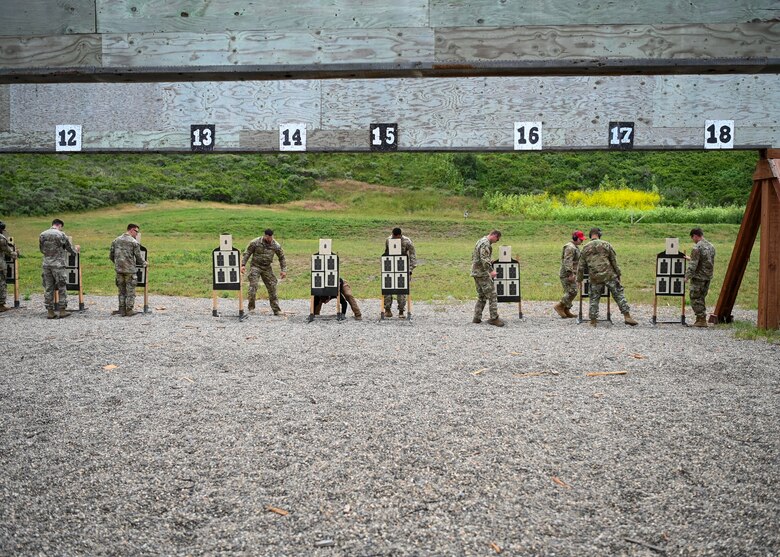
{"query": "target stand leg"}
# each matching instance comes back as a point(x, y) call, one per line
point(311, 310)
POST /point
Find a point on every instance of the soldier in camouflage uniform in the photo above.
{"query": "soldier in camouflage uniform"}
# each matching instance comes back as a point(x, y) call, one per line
point(570, 258)
point(5, 249)
point(599, 260)
point(262, 251)
point(701, 264)
point(483, 273)
point(55, 246)
point(407, 248)
point(126, 255)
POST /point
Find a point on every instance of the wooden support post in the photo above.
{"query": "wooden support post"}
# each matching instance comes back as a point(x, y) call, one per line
point(240, 297)
point(17, 303)
point(311, 309)
point(769, 272)
point(655, 308)
point(763, 209)
point(214, 312)
point(146, 289)
point(409, 306)
point(81, 290)
point(682, 309)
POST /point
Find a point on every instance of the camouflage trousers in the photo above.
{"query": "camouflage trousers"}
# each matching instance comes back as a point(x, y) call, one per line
point(613, 287)
point(125, 282)
point(401, 298)
point(3, 285)
point(54, 279)
point(270, 281)
point(486, 293)
point(697, 293)
point(569, 292)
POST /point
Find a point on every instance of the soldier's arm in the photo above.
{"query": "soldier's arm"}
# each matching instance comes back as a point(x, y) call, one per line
point(112, 252)
point(139, 257)
point(568, 260)
point(40, 243)
point(250, 249)
point(67, 245)
point(282, 260)
point(613, 262)
point(410, 251)
point(581, 268)
point(5, 248)
point(484, 257)
point(693, 263)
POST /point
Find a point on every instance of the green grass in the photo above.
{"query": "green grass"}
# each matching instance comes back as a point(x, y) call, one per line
point(180, 236)
point(749, 331)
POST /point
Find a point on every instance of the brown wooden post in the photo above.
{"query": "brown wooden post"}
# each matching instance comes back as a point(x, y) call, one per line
point(763, 209)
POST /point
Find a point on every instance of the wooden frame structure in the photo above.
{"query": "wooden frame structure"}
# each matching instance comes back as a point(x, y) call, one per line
point(762, 211)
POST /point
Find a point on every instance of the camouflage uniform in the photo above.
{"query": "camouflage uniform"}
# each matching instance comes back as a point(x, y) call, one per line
point(126, 254)
point(262, 255)
point(598, 258)
point(699, 274)
point(481, 266)
point(54, 246)
point(346, 298)
point(407, 248)
point(570, 258)
point(5, 249)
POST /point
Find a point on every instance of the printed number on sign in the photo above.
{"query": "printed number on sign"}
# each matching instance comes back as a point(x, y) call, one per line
point(202, 137)
point(719, 134)
point(528, 136)
point(621, 135)
point(292, 137)
point(383, 137)
point(68, 138)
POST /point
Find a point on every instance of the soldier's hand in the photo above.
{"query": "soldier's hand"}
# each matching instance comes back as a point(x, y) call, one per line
point(77, 248)
point(493, 274)
point(243, 268)
point(283, 274)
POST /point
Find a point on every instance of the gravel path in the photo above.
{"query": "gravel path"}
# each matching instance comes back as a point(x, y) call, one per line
point(439, 437)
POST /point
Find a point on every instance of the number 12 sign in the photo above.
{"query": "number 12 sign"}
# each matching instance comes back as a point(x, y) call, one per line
point(68, 138)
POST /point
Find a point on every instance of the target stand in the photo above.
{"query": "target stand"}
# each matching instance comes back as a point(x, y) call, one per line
point(226, 273)
point(585, 294)
point(670, 267)
point(395, 275)
point(73, 280)
point(142, 276)
point(325, 279)
point(507, 281)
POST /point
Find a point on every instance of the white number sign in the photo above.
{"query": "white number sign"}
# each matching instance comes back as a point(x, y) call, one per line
point(719, 134)
point(68, 138)
point(528, 136)
point(292, 137)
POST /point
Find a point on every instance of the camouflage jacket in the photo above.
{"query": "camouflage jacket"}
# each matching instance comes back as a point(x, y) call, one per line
point(55, 246)
point(570, 260)
point(5, 248)
point(407, 248)
point(702, 262)
point(126, 254)
point(598, 260)
point(481, 258)
point(262, 254)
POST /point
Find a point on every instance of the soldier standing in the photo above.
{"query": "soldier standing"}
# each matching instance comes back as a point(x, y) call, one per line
point(55, 246)
point(599, 259)
point(5, 249)
point(483, 273)
point(570, 258)
point(126, 255)
point(262, 251)
point(407, 248)
point(701, 264)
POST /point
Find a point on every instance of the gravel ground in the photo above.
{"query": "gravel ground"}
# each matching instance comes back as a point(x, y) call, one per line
point(438, 437)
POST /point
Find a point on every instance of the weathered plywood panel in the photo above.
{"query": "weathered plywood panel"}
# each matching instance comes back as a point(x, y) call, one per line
point(30, 141)
point(340, 46)
point(55, 51)
point(641, 42)
point(98, 107)
point(251, 105)
point(46, 17)
point(507, 13)
point(159, 16)
point(5, 108)
point(316, 140)
point(749, 100)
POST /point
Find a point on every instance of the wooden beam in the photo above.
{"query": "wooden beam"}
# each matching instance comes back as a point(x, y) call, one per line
point(46, 17)
point(769, 270)
point(740, 256)
point(53, 52)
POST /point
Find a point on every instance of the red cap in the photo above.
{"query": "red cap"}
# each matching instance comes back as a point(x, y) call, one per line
point(578, 235)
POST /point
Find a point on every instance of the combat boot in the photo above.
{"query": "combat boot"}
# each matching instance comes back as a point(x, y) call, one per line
point(358, 317)
point(131, 312)
point(401, 315)
point(594, 322)
point(560, 310)
point(496, 322)
point(277, 312)
point(4, 308)
point(388, 313)
point(569, 314)
point(476, 320)
point(50, 314)
point(630, 320)
point(64, 313)
point(251, 304)
point(701, 322)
